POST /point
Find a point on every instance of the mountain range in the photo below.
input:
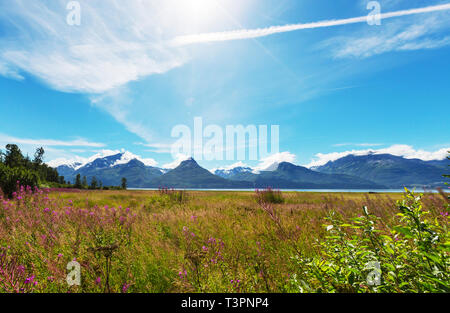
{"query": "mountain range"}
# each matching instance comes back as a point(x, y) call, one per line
point(389, 170)
point(372, 171)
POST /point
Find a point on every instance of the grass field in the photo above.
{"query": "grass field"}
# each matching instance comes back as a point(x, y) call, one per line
point(169, 241)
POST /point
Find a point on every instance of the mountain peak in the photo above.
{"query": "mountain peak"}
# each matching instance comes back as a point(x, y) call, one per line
point(189, 162)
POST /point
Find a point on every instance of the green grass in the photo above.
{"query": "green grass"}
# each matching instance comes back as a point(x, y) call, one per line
point(222, 241)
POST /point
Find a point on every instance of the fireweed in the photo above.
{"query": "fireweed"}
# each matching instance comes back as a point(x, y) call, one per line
point(44, 234)
point(223, 242)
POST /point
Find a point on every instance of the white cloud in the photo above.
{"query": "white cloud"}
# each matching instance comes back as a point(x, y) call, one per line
point(405, 151)
point(180, 158)
point(402, 35)
point(119, 42)
point(128, 156)
point(357, 144)
point(262, 32)
point(6, 71)
point(49, 142)
point(157, 147)
point(116, 43)
point(271, 162)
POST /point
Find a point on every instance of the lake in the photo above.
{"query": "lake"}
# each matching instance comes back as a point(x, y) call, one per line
point(302, 190)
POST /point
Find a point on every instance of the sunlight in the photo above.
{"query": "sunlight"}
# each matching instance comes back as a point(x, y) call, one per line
point(199, 9)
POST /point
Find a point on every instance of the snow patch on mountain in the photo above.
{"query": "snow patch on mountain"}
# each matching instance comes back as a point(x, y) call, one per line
point(79, 162)
point(230, 168)
point(408, 152)
point(128, 156)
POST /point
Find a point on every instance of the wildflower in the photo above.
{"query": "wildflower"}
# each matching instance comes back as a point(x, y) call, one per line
point(182, 274)
point(212, 240)
point(125, 287)
point(98, 281)
point(444, 214)
point(60, 255)
point(46, 210)
point(204, 248)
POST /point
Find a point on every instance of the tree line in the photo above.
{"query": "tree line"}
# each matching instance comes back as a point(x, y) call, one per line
point(33, 172)
point(82, 183)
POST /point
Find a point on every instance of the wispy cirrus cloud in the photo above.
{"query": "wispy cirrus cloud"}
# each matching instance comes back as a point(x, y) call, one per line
point(402, 35)
point(157, 147)
point(115, 44)
point(5, 139)
point(357, 144)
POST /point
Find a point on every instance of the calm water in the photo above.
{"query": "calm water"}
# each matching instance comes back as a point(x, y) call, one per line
point(307, 190)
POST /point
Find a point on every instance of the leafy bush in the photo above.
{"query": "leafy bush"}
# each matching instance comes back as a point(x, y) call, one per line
point(11, 177)
point(269, 196)
point(411, 256)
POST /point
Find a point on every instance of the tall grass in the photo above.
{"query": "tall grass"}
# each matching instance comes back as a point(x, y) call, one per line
point(137, 241)
point(269, 195)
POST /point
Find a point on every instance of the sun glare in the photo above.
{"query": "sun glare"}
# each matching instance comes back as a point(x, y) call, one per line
point(199, 8)
point(200, 11)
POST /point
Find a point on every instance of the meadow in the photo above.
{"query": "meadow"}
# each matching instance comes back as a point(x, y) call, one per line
point(196, 241)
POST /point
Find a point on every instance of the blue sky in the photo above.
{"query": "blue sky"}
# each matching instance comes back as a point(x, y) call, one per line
point(122, 80)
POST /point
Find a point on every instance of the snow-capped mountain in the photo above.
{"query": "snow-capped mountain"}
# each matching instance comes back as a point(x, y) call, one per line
point(355, 172)
point(109, 167)
point(105, 158)
point(227, 173)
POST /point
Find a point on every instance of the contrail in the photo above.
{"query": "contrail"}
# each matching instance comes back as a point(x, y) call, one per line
point(261, 32)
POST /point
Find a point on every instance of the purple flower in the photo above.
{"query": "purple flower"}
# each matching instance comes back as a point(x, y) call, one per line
point(98, 281)
point(125, 287)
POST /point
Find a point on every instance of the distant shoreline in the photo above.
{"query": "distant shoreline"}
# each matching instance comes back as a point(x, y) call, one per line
point(299, 190)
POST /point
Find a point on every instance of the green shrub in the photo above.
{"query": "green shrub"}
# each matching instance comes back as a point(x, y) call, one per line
point(411, 256)
point(269, 196)
point(9, 178)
